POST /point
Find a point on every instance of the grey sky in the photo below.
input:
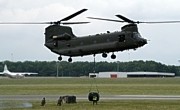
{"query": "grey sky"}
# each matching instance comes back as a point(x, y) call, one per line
point(26, 42)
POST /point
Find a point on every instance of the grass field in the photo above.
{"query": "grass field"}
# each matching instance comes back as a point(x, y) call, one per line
point(77, 86)
point(130, 86)
point(106, 105)
point(109, 105)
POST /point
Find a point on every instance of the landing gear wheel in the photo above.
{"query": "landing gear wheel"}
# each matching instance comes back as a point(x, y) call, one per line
point(104, 55)
point(70, 59)
point(113, 56)
point(59, 58)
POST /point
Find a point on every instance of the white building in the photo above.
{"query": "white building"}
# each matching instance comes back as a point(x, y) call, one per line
point(112, 75)
point(130, 74)
point(149, 74)
point(93, 75)
point(108, 75)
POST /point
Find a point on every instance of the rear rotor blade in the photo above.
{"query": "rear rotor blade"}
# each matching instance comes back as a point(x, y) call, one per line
point(55, 23)
point(26, 22)
point(105, 19)
point(125, 19)
point(73, 15)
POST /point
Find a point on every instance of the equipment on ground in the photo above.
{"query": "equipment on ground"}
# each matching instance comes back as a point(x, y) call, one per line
point(93, 96)
point(69, 99)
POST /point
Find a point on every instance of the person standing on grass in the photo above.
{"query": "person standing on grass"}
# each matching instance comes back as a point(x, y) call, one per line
point(43, 102)
point(59, 103)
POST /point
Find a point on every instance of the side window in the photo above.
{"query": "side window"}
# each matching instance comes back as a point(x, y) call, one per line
point(121, 38)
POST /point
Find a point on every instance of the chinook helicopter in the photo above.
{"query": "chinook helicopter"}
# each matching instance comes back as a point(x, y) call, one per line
point(61, 40)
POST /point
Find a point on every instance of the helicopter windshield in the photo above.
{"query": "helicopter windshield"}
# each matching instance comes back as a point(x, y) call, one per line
point(135, 34)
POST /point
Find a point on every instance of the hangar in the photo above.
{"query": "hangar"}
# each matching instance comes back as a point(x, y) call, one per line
point(130, 74)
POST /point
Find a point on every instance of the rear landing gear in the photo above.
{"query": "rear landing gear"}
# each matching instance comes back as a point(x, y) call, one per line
point(104, 55)
point(113, 56)
point(69, 59)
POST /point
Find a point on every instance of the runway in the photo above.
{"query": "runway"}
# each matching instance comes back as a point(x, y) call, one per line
point(85, 97)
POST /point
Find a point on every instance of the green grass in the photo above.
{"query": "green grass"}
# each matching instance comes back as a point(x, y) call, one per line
point(131, 86)
point(107, 105)
point(77, 86)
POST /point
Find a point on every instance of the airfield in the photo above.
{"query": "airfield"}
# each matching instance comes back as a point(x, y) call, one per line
point(115, 94)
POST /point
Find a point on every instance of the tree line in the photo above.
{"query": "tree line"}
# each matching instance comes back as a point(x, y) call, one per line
point(76, 69)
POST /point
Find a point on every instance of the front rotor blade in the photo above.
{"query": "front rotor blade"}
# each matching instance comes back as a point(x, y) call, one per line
point(159, 22)
point(125, 19)
point(73, 15)
point(105, 19)
point(148, 22)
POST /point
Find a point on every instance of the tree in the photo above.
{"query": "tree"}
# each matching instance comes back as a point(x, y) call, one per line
point(76, 69)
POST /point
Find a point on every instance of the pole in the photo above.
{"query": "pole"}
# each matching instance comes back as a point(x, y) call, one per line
point(12, 58)
point(94, 64)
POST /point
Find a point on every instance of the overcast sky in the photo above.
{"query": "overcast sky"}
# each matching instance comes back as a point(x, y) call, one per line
point(26, 42)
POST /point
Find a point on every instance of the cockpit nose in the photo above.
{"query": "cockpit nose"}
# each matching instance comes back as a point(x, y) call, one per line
point(145, 41)
point(142, 42)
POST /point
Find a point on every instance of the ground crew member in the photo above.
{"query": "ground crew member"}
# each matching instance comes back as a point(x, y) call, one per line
point(43, 102)
point(59, 103)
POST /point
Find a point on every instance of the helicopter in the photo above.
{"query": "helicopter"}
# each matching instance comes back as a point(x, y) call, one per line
point(61, 40)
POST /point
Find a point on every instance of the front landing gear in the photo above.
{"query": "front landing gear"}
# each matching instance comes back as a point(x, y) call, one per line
point(113, 56)
point(69, 59)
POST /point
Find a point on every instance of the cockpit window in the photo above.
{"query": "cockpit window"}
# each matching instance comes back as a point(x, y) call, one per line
point(135, 35)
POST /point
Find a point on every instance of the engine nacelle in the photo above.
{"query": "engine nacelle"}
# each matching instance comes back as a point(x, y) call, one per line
point(130, 27)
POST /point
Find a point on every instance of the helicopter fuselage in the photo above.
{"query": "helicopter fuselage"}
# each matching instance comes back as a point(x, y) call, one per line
point(62, 41)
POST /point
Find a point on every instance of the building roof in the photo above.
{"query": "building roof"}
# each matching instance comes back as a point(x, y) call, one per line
point(151, 73)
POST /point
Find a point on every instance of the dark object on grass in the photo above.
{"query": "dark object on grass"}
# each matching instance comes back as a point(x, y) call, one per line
point(94, 97)
point(69, 99)
point(59, 103)
point(43, 102)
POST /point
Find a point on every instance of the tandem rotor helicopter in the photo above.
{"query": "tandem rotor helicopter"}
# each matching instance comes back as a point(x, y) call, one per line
point(61, 40)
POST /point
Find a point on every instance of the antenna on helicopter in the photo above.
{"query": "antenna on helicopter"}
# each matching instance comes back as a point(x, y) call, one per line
point(62, 21)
